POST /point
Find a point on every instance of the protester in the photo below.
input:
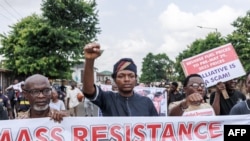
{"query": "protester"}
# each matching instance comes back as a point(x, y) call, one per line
point(37, 90)
point(195, 91)
point(5, 107)
point(123, 103)
point(108, 82)
point(23, 103)
point(72, 100)
point(174, 94)
point(62, 93)
point(12, 95)
point(114, 87)
point(243, 107)
point(55, 102)
point(221, 104)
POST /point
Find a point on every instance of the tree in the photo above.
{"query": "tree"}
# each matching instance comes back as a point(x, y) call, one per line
point(240, 39)
point(154, 67)
point(50, 44)
point(212, 40)
point(75, 15)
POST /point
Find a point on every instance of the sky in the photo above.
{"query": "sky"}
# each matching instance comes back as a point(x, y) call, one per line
point(134, 28)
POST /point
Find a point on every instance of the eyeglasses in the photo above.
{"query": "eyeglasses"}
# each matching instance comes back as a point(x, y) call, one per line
point(35, 92)
point(197, 85)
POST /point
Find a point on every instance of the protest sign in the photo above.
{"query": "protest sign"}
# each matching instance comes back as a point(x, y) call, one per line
point(159, 100)
point(121, 128)
point(217, 65)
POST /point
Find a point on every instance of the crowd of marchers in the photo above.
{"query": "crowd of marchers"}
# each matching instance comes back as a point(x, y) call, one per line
point(37, 97)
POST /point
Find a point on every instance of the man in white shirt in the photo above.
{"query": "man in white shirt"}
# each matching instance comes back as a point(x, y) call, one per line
point(72, 101)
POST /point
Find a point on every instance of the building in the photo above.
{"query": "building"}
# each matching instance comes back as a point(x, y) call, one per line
point(102, 76)
point(5, 78)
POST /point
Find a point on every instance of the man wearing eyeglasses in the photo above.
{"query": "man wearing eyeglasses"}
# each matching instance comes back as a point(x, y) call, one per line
point(222, 105)
point(37, 90)
point(195, 90)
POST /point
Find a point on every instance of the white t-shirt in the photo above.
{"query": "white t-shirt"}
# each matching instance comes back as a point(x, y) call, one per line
point(72, 95)
point(59, 105)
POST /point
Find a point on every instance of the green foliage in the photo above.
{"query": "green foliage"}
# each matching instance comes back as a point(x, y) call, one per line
point(50, 44)
point(156, 68)
point(211, 41)
point(240, 39)
point(76, 15)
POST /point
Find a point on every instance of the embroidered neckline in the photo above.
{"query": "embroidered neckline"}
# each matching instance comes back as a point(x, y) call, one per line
point(247, 105)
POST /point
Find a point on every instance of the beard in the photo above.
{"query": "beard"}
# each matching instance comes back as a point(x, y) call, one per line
point(41, 108)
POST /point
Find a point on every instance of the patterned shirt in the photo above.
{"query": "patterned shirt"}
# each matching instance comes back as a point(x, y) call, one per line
point(26, 114)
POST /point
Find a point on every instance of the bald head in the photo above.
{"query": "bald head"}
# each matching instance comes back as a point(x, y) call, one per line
point(37, 90)
point(36, 80)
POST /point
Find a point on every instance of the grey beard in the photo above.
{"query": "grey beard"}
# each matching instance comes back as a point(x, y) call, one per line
point(41, 108)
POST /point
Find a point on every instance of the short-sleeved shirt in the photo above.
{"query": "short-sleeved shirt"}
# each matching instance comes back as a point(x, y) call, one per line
point(113, 104)
point(24, 104)
point(59, 105)
point(72, 95)
point(227, 104)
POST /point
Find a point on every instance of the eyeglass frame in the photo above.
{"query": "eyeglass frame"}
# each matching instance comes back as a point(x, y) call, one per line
point(36, 92)
point(202, 85)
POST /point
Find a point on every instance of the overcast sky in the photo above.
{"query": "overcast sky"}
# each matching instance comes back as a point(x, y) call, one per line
point(133, 28)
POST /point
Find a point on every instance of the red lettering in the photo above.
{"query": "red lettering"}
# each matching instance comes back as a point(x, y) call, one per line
point(197, 131)
point(214, 129)
point(99, 133)
point(5, 135)
point(79, 133)
point(183, 130)
point(128, 132)
point(168, 132)
point(24, 135)
point(39, 133)
point(54, 134)
point(153, 130)
point(115, 134)
point(140, 134)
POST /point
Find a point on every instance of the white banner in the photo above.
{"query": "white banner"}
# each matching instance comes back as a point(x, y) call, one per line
point(205, 128)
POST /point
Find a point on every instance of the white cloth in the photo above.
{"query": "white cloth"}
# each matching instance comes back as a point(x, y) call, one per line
point(72, 95)
point(59, 105)
point(204, 109)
